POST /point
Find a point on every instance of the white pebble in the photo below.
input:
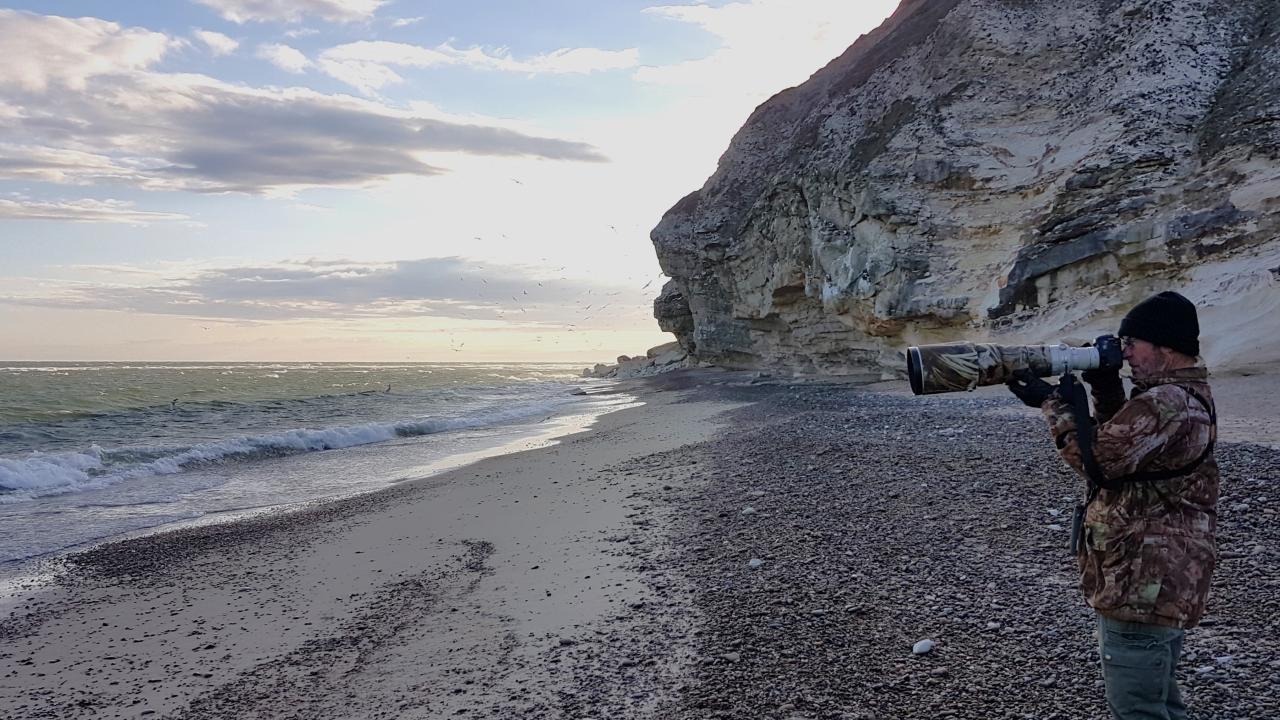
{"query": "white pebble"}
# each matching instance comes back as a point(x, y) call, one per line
point(755, 562)
point(922, 647)
point(748, 510)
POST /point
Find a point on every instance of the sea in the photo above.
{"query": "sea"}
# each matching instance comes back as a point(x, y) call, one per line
point(91, 451)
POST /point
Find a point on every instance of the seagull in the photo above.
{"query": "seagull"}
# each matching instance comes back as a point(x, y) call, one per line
point(516, 181)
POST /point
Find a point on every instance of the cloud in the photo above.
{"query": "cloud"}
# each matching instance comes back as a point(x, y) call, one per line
point(192, 132)
point(42, 50)
point(573, 60)
point(342, 11)
point(449, 287)
point(301, 32)
point(748, 63)
point(217, 43)
point(284, 57)
point(405, 22)
point(61, 165)
point(97, 211)
point(366, 64)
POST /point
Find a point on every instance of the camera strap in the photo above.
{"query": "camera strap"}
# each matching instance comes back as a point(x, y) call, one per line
point(1074, 393)
point(1073, 390)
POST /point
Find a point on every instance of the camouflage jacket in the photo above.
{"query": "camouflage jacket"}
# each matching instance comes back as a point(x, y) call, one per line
point(1149, 545)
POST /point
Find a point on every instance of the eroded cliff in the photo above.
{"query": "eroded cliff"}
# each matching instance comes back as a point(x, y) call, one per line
point(1015, 171)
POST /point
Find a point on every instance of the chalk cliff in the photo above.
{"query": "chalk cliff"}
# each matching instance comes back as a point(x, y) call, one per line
point(1012, 171)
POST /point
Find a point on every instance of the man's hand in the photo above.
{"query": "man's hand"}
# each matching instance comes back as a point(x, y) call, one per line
point(1031, 390)
point(1100, 379)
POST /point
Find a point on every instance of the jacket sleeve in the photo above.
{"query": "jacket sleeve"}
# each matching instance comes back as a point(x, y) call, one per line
point(1124, 444)
point(1108, 398)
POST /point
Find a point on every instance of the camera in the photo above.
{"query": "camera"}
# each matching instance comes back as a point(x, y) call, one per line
point(954, 367)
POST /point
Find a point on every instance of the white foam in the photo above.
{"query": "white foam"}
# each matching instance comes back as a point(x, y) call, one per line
point(41, 471)
point(41, 474)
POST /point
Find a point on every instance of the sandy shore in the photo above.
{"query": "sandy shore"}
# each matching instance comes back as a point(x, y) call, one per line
point(611, 576)
point(420, 601)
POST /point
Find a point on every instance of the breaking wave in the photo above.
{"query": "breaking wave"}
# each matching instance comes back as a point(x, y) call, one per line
point(43, 474)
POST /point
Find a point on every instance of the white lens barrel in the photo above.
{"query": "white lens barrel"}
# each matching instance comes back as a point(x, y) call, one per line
point(1067, 357)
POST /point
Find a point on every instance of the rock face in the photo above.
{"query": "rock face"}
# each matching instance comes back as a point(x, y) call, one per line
point(983, 169)
point(655, 361)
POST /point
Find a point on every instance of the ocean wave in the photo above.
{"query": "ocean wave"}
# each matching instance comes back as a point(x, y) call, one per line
point(44, 474)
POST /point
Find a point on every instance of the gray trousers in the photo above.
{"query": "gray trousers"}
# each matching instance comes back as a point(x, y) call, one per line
point(1138, 663)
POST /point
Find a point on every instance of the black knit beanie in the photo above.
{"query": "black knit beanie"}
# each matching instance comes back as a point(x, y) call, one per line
point(1166, 319)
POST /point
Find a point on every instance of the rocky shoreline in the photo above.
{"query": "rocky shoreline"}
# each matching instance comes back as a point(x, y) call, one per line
point(787, 565)
point(879, 521)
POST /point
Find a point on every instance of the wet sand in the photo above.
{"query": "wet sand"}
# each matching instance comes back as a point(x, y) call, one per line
point(423, 600)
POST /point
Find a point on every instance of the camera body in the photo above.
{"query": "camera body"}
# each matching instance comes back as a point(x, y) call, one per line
point(955, 367)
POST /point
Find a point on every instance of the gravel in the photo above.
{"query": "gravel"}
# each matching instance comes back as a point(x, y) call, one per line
point(883, 520)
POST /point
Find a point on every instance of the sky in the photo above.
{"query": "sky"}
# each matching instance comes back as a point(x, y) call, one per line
point(367, 180)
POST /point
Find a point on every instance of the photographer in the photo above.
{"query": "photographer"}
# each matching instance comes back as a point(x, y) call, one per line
point(1147, 550)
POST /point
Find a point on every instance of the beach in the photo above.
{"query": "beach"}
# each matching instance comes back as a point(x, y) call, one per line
point(735, 546)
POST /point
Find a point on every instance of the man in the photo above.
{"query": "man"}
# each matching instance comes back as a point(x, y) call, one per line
point(1148, 530)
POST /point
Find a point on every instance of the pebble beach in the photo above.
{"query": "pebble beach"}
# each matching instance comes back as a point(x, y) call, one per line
point(735, 547)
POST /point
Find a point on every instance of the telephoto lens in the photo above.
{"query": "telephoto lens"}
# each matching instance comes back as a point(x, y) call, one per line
point(956, 367)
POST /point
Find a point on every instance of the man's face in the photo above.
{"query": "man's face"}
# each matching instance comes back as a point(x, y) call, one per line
point(1144, 358)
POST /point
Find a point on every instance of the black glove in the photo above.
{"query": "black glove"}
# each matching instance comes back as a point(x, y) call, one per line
point(1103, 380)
point(1031, 390)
